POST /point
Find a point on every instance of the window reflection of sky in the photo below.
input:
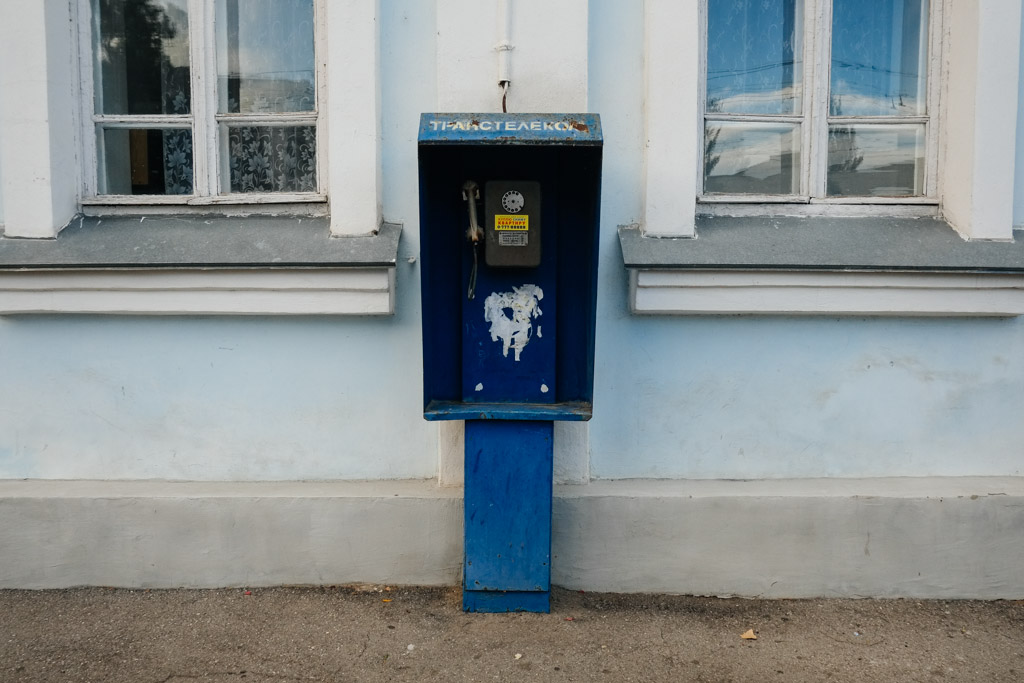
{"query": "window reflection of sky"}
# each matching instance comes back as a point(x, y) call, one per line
point(142, 57)
point(878, 57)
point(754, 56)
point(863, 160)
point(265, 55)
point(878, 67)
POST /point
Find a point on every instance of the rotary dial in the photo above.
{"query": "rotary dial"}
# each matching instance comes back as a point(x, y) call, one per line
point(512, 201)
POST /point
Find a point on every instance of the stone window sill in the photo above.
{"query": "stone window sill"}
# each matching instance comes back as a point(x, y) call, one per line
point(200, 265)
point(775, 265)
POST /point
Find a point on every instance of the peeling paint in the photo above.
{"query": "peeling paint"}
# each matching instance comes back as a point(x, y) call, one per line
point(515, 331)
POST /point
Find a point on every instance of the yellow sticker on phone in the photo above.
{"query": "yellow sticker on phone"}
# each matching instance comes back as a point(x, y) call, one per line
point(504, 221)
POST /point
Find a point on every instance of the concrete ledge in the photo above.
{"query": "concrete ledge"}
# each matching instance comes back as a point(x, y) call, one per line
point(912, 537)
point(200, 265)
point(783, 265)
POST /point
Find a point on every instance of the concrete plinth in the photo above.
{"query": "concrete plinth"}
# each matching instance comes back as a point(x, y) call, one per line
point(913, 537)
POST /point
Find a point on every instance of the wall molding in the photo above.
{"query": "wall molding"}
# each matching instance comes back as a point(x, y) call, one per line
point(688, 292)
point(320, 291)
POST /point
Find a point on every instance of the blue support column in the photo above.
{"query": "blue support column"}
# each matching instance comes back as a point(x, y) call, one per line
point(508, 516)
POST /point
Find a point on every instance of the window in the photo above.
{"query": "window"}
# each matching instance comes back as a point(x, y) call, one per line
point(204, 99)
point(818, 101)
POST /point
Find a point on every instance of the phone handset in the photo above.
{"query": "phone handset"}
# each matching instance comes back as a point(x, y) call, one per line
point(475, 234)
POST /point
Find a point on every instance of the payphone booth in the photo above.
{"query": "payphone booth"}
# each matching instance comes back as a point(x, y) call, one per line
point(509, 213)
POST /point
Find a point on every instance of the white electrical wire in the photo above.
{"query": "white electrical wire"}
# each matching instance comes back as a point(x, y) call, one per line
point(503, 48)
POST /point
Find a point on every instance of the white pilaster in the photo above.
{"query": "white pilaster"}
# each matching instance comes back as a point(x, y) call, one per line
point(353, 116)
point(37, 117)
point(547, 65)
point(673, 118)
point(980, 115)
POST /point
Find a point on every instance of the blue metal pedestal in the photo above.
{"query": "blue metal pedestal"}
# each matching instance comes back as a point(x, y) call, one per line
point(508, 516)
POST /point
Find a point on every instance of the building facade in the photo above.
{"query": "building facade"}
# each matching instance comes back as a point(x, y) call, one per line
point(810, 351)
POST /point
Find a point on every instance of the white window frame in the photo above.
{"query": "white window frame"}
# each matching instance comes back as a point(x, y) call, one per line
point(814, 118)
point(208, 166)
point(973, 169)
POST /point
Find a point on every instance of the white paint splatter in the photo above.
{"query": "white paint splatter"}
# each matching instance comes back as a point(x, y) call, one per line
point(480, 386)
point(539, 333)
point(543, 388)
point(514, 332)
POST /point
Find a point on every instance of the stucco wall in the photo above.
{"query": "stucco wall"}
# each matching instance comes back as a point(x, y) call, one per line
point(1, 170)
point(1018, 204)
point(212, 399)
point(676, 397)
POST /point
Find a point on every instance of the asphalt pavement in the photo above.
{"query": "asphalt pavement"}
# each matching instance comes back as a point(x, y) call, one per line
point(383, 633)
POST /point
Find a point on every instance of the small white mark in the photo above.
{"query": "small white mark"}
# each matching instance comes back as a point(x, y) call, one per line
point(539, 334)
point(543, 388)
point(479, 386)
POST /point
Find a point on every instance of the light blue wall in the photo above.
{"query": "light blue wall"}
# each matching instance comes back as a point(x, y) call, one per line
point(339, 398)
point(1018, 204)
point(212, 399)
point(809, 397)
point(239, 398)
point(744, 397)
point(1, 169)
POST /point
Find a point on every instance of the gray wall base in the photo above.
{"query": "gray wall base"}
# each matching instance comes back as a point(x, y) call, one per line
point(914, 537)
point(165, 535)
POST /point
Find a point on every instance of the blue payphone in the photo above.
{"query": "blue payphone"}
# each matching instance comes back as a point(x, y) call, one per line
point(509, 214)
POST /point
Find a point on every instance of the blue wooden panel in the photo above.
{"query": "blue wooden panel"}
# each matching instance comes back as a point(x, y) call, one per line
point(568, 411)
point(490, 371)
point(508, 505)
point(506, 601)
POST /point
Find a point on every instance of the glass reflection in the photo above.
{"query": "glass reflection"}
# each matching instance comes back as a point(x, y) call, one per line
point(141, 57)
point(879, 57)
point(270, 158)
point(879, 161)
point(265, 56)
point(145, 160)
point(754, 56)
point(751, 158)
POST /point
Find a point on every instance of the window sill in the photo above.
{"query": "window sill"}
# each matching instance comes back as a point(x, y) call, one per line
point(823, 266)
point(200, 265)
point(250, 199)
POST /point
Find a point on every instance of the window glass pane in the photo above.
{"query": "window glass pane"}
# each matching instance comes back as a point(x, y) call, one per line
point(145, 160)
point(879, 57)
point(265, 56)
point(751, 158)
point(754, 56)
point(269, 158)
point(880, 161)
point(141, 57)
